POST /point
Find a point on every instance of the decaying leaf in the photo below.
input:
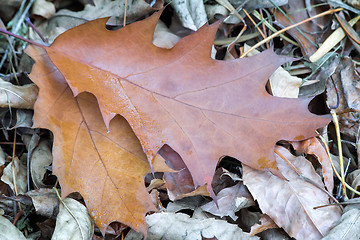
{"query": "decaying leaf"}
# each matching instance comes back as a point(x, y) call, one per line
point(314, 146)
point(191, 13)
point(354, 180)
point(45, 201)
point(293, 200)
point(179, 226)
point(348, 226)
point(9, 231)
point(265, 223)
point(182, 97)
point(229, 201)
point(17, 96)
point(20, 173)
point(346, 84)
point(106, 168)
point(73, 221)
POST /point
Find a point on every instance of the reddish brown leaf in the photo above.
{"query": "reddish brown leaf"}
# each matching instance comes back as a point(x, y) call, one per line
point(314, 147)
point(200, 107)
point(106, 168)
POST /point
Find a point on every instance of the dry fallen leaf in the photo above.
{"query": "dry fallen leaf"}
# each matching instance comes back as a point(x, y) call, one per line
point(73, 221)
point(229, 201)
point(348, 226)
point(179, 226)
point(265, 223)
point(45, 201)
point(106, 168)
point(313, 146)
point(9, 231)
point(20, 174)
point(292, 201)
point(17, 96)
point(182, 97)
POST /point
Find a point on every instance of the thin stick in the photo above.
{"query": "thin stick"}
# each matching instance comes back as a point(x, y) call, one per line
point(21, 38)
point(125, 13)
point(13, 169)
point(287, 28)
point(252, 20)
point(333, 167)
point(341, 160)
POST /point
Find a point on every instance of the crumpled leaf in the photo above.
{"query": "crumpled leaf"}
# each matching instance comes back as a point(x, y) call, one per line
point(348, 226)
point(20, 173)
point(179, 226)
point(73, 222)
point(314, 146)
point(347, 82)
point(8, 231)
point(293, 200)
point(265, 223)
point(196, 105)
point(17, 96)
point(229, 201)
point(353, 179)
point(45, 201)
point(191, 13)
point(283, 84)
point(106, 168)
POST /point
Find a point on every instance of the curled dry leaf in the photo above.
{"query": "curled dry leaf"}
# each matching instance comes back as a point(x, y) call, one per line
point(229, 201)
point(17, 96)
point(347, 82)
point(2, 157)
point(180, 226)
point(182, 97)
point(313, 146)
point(191, 13)
point(20, 175)
point(73, 222)
point(354, 180)
point(106, 168)
point(293, 200)
point(41, 158)
point(45, 201)
point(43, 8)
point(8, 231)
point(265, 223)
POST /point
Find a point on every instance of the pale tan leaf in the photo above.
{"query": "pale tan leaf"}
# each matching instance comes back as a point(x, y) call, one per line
point(8, 231)
point(265, 223)
point(290, 203)
point(348, 227)
point(20, 175)
point(17, 96)
point(181, 227)
point(45, 201)
point(229, 201)
point(73, 222)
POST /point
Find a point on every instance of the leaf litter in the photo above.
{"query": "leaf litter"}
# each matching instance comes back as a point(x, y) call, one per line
point(311, 77)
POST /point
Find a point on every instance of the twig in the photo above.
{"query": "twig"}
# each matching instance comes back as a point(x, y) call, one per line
point(22, 38)
point(289, 27)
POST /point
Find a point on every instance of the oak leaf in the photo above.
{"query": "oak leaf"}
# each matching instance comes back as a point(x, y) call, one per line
point(200, 107)
point(106, 168)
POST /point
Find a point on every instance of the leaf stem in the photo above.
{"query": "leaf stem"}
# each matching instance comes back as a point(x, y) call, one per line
point(287, 28)
point(22, 38)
